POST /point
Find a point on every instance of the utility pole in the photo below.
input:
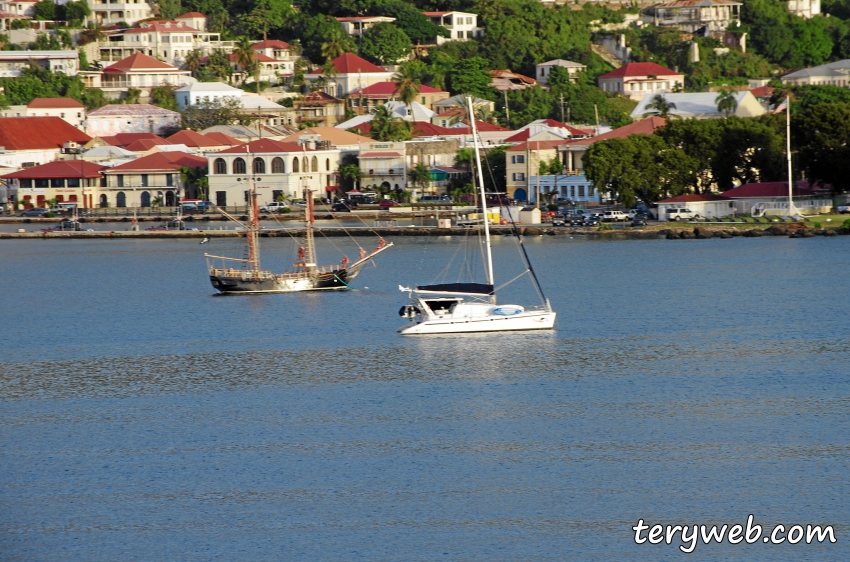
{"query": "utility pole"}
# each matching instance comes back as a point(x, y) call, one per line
point(562, 108)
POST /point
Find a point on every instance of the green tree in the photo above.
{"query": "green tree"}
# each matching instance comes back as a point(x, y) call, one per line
point(407, 84)
point(351, 174)
point(169, 9)
point(207, 114)
point(416, 25)
point(219, 65)
point(163, 96)
point(77, 12)
point(420, 175)
point(384, 43)
point(322, 36)
point(822, 137)
point(193, 61)
point(268, 14)
point(45, 10)
point(195, 181)
point(470, 76)
point(726, 102)
point(246, 58)
point(660, 106)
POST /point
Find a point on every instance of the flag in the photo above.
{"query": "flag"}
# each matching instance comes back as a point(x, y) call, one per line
point(781, 107)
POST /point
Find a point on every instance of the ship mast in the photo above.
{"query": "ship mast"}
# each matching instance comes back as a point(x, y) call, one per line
point(253, 225)
point(489, 272)
point(309, 255)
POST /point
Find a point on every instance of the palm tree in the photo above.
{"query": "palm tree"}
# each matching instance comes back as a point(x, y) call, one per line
point(193, 61)
point(420, 174)
point(335, 46)
point(351, 172)
point(726, 102)
point(382, 124)
point(246, 59)
point(407, 86)
point(463, 159)
point(660, 107)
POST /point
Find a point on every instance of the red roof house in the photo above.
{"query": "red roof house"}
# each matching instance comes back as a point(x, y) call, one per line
point(637, 79)
point(38, 133)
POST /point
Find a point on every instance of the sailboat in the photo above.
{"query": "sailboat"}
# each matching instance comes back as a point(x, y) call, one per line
point(307, 275)
point(471, 307)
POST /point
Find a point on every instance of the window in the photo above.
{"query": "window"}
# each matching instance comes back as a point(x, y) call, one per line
point(121, 199)
point(221, 198)
point(169, 180)
point(42, 183)
point(219, 166)
point(572, 191)
point(144, 180)
point(327, 164)
point(120, 180)
point(590, 190)
point(295, 165)
point(259, 166)
point(581, 191)
point(315, 163)
point(520, 159)
point(26, 183)
point(277, 166)
point(239, 166)
point(73, 182)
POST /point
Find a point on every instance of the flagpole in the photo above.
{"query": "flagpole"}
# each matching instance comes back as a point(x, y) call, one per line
point(792, 210)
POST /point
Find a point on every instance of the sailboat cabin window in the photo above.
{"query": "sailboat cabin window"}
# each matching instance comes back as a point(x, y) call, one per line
point(239, 166)
point(277, 166)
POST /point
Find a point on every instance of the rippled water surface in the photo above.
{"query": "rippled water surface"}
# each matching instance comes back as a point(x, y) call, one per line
point(687, 382)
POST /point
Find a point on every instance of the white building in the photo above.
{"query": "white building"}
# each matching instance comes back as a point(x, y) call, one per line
point(461, 26)
point(67, 109)
point(107, 12)
point(168, 41)
point(352, 73)
point(638, 79)
point(702, 105)
point(831, 74)
point(30, 141)
point(355, 26)
point(804, 8)
point(131, 118)
point(192, 94)
point(13, 62)
point(277, 168)
point(141, 72)
point(544, 69)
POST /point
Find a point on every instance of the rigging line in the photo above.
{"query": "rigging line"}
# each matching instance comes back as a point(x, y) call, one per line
point(342, 226)
point(505, 284)
point(326, 237)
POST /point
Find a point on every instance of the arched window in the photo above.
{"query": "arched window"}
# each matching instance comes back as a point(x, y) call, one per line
point(306, 167)
point(121, 199)
point(146, 199)
point(259, 166)
point(295, 165)
point(315, 164)
point(327, 164)
point(238, 166)
point(277, 166)
point(219, 166)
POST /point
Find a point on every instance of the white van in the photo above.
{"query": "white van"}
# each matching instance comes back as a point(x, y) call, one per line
point(680, 213)
point(614, 216)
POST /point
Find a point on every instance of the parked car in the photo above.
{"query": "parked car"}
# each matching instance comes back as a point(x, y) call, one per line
point(614, 216)
point(564, 201)
point(387, 203)
point(274, 207)
point(435, 199)
point(39, 212)
point(843, 209)
point(299, 203)
point(559, 220)
point(679, 213)
point(575, 220)
point(500, 201)
point(341, 207)
point(638, 221)
point(590, 221)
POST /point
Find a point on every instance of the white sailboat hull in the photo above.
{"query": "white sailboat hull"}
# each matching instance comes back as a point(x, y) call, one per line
point(530, 320)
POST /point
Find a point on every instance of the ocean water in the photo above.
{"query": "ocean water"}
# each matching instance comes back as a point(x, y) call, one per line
point(687, 382)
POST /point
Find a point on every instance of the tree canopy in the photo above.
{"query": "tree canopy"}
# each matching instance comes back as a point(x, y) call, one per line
point(384, 43)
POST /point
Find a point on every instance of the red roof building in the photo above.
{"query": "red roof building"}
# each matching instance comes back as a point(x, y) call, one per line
point(352, 72)
point(55, 103)
point(139, 182)
point(38, 134)
point(142, 72)
point(638, 79)
point(382, 92)
point(70, 180)
point(195, 140)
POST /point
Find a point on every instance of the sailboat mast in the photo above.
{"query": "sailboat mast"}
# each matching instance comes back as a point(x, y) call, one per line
point(490, 280)
point(791, 209)
point(309, 254)
point(253, 221)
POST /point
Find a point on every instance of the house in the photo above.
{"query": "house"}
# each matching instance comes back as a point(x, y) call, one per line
point(705, 205)
point(830, 74)
point(637, 79)
point(578, 189)
point(694, 16)
point(281, 58)
point(763, 94)
point(203, 143)
point(141, 72)
point(548, 129)
point(462, 26)
point(70, 180)
point(168, 40)
point(460, 101)
point(804, 8)
point(146, 180)
point(278, 168)
point(522, 161)
point(382, 163)
point(702, 105)
point(193, 94)
point(435, 152)
point(67, 109)
point(504, 80)
point(544, 69)
point(355, 26)
point(29, 141)
point(352, 72)
point(414, 112)
point(12, 10)
point(313, 137)
point(106, 154)
point(131, 118)
point(318, 108)
point(107, 12)
point(123, 140)
point(771, 198)
point(379, 93)
point(12, 63)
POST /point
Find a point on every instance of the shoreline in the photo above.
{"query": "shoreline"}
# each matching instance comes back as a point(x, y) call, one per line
point(792, 230)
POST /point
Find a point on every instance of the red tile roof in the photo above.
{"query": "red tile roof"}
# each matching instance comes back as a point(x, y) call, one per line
point(350, 63)
point(191, 15)
point(270, 44)
point(162, 26)
point(266, 146)
point(193, 139)
point(160, 162)
point(426, 129)
point(381, 155)
point(640, 69)
point(144, 145)
point(762, 92)
point(389, 88)
point(124, 139)
point(484, 127)
point(65, 169)
point(260, 57)
point(68, 103)
point(768, 189)
point(33, 133)
point(694, 198)
point(646, 126)
point(429, 14)
point(139, 62)
point(223, 139)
